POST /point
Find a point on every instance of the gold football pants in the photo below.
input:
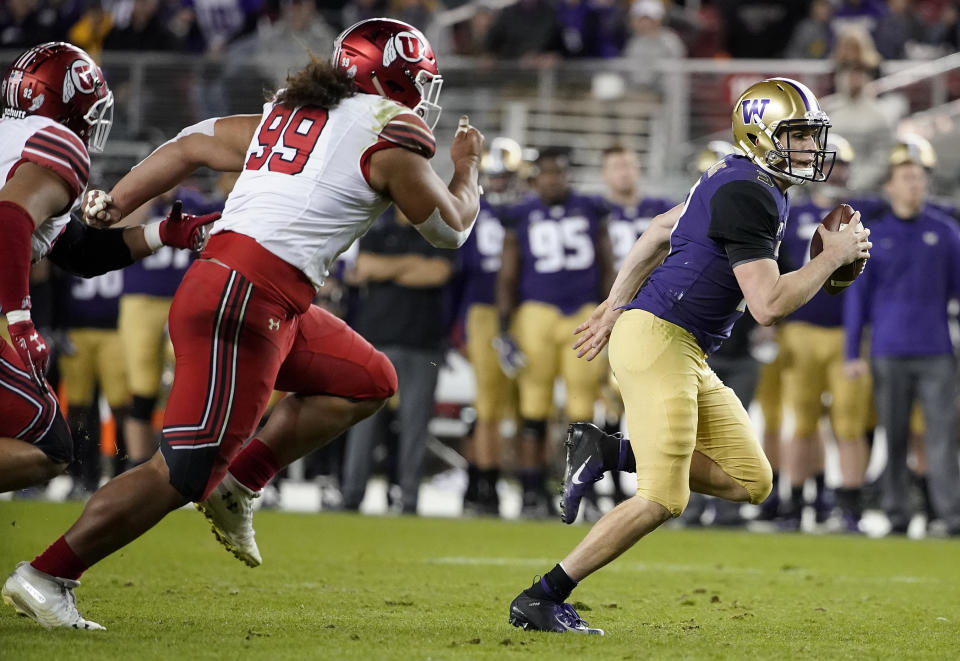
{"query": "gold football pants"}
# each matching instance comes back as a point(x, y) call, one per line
point(545, 335)
point(676, 404)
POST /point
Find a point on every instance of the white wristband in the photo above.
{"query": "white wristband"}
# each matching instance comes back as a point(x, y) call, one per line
point(440, 235)
point(16, 316)
point(151, 234)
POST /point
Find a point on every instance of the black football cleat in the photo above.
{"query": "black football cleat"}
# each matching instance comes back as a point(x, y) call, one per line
point(536, 614)
point(584, 466)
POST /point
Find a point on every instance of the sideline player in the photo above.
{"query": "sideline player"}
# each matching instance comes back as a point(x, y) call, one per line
point(556, 262)
point(480, 260)
point(56, 106)
point(329, 154)
point(87, 311)
point(812, 343)
point(630, 212)
point(688, 430)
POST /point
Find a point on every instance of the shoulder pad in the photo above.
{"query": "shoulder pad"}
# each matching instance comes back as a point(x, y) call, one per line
point(407, 130)
point(60, 150)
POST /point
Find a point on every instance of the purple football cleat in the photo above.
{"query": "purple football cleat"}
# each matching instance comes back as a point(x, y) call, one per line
point(584, 466)
point(536, 614)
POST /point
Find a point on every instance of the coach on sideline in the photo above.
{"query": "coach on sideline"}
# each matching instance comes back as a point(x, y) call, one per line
point(914, 272)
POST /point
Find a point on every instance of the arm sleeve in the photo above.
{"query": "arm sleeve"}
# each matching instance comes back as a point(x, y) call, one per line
point(744, 220)
point(59, 150)
point(89, 251)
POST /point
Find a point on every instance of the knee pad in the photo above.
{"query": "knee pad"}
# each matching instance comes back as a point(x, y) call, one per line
point(193, 472)
point(534, 428)
point(141, 408)
point(57, 443)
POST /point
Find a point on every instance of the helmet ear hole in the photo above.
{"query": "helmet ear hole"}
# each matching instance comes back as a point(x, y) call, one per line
point(754, 138)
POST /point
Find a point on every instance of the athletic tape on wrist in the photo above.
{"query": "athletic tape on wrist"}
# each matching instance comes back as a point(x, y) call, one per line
point(151, 234)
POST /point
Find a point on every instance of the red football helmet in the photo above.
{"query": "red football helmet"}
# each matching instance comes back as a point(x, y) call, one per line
point(60, 81)
point(393, 59)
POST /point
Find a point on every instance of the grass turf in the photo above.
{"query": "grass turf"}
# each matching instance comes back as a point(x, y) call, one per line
point(349, 587)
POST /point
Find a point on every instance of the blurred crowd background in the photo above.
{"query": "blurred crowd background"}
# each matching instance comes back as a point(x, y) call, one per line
point(572, 79)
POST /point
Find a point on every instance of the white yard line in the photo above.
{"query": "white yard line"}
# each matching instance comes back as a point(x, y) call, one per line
point(797, 573)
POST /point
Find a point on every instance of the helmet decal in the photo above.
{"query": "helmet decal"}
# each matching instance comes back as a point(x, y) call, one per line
point(753, 107)
point(409, 46)
point(766, 120)
point(60, 81)
point(393, 59)
point(81, 73)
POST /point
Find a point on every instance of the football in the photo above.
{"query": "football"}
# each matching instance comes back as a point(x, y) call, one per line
point(844, 276)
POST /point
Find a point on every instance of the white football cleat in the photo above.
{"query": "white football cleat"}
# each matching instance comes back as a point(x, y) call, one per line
point(46, 599)
point(229, 509)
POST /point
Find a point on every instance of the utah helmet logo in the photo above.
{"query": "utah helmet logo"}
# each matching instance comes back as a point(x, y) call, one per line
point(406, 45)
point(751, 107)
point(82, 76)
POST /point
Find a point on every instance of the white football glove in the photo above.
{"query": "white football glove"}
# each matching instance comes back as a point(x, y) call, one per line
point(96, 208)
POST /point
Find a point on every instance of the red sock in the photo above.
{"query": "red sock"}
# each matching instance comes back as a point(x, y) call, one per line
point(255, 465)
point(60, 560)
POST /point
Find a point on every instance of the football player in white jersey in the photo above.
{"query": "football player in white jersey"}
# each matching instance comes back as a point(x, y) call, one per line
point(56, 106)
point(330, 152)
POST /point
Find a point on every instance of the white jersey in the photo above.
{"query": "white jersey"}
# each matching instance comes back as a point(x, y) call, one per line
point(303, 194)
point(47, 143)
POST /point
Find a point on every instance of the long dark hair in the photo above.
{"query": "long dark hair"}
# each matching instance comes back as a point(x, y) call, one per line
point(318, 84)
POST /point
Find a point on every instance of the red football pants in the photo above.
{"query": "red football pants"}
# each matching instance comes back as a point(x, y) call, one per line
point(234, 344)
point(28, 413)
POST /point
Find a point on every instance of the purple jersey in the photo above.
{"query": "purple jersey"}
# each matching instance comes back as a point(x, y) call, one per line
point(558, 250)
point(903, 293)
point(627, 223)
point(92, 302)
point(733, 214)
point(480, 258)
point(160, 273)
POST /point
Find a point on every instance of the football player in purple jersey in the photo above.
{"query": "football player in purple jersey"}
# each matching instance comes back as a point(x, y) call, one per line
point(87, 308)
point(556, 262)
point(630, 211)
point(811, 341)
point(480, 260)
point(697, 267)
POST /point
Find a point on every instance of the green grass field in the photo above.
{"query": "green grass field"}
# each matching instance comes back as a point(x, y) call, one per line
point(350, 587)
